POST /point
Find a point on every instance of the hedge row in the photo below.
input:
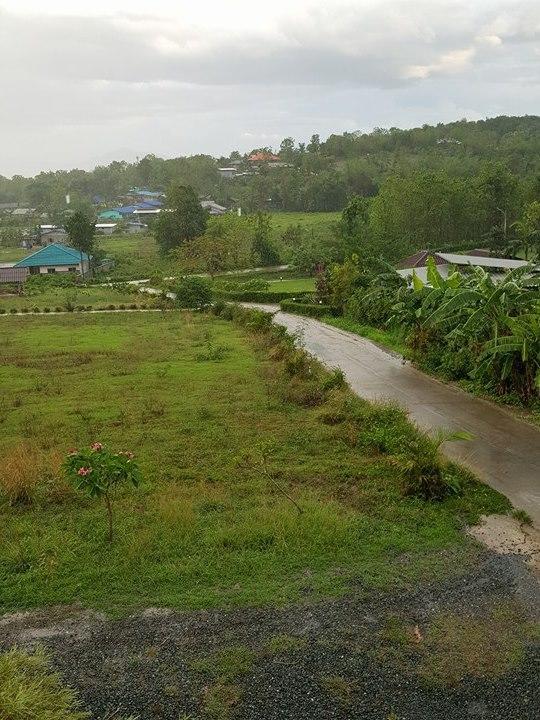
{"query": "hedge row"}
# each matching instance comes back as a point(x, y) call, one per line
point(260, 296)
point(316, 311)
point(78, 308)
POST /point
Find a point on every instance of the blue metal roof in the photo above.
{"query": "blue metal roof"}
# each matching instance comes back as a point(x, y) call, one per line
point(53, 254)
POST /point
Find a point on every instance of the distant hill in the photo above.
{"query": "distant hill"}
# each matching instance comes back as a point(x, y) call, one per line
point(314, 176)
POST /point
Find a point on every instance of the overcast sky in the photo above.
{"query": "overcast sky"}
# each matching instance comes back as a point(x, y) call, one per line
point(85, 83)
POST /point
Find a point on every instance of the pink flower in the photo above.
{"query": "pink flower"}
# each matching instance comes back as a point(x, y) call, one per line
point(84, 471)
point(97, 446)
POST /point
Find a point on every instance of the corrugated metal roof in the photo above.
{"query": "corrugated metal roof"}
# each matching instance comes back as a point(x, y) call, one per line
point(53, 254)
point(479, 261)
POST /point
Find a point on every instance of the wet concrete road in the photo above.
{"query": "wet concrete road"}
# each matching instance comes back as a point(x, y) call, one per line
point(505, 451)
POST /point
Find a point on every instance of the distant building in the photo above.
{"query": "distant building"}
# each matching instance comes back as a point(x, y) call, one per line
point(213, 208)
point(55, 258)
point(106, 228)
point(51, 233)
point(261, 156)
point(110, 215)
point(227, 172)
point(446, 262)
point(135, 226)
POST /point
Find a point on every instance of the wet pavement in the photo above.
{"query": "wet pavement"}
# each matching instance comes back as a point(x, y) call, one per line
point(505, 451)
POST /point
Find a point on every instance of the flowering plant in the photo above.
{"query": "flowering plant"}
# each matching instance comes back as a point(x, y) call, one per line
point(99, 471)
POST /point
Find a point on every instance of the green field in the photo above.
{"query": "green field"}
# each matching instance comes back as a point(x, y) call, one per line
point(60, 297)
point(11, 254)
point(299, 285)
point(204, 409)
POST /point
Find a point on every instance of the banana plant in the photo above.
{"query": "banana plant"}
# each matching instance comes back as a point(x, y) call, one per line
point(518, 352)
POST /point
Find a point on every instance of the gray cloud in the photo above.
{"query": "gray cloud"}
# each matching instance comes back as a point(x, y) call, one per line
point(77, 89)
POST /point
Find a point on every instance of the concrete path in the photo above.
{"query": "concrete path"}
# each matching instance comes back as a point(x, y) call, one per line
point(505, 451)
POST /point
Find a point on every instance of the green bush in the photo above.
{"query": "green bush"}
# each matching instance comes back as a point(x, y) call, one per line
point(13, 310)
point(2, 310)
point(59, 309)
point(30, 691)
point(253, 296)
point(46, 310)
point(36, 310)
point(111, 307)
point(192, 292)
point(315, 311)
point(25, 309)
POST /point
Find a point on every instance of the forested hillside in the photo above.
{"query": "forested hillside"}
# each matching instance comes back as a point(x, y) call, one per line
point(317, 176)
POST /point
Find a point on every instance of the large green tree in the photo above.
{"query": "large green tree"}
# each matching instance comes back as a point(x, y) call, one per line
point(182, 220)
point(81, 231)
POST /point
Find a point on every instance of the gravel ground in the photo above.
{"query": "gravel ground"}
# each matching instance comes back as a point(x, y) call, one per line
point(330, 659)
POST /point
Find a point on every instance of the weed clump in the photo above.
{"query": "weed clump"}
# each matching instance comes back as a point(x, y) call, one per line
point(30, 691)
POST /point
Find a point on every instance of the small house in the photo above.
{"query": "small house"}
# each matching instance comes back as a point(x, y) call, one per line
point(55, 258)
point(213, 208)
point(51, 234)
point(446, 263)
point(105, 228)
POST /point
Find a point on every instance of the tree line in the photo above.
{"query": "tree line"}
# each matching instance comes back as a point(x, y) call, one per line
point(314, 176)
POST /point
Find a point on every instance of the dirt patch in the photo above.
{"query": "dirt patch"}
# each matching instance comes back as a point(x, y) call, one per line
point(509, 536)
point(360, 656)
point(29, 629)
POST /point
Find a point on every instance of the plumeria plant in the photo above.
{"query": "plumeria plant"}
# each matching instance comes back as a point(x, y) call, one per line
point(99, 471)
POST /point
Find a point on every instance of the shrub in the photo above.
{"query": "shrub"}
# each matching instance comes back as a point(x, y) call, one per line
point(334, 380)
point(46, 309)
point(80, 308)
point(121, 306)
point(2, 310)
point(218, 307)
point(30, 691)
point(192, 292)
point(133, 306)
point(111, 307)
point(13, 310)
point(98, 472)
point(212, 353)
point(426, 473)
point(36, 310)
point(59, 309)
point(315, 311)
point(252, 296)
point(25, 309)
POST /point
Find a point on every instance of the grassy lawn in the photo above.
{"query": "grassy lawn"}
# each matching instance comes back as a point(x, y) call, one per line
point(299, 285)
point(53, 297)
point(319, 223)
point(208, 527)
point(11, 254)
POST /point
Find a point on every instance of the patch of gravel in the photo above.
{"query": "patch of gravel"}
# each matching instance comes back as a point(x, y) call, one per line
point(143, 664)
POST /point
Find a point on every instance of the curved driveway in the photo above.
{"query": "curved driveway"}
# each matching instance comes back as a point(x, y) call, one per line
point(505, 451)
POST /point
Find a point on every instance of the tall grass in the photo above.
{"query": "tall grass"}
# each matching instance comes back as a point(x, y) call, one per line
point(29, 690)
